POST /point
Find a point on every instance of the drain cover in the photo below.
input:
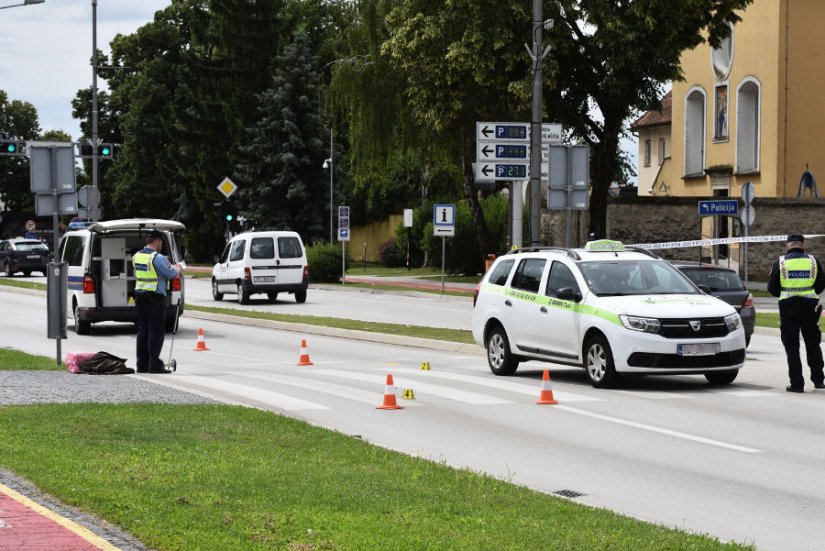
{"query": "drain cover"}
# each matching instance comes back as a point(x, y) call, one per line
point(568, 493)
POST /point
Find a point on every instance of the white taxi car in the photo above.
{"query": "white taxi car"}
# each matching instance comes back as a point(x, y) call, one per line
point(610, 309)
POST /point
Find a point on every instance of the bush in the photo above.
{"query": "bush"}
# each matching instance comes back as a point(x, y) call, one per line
point(389, 254)
point(325, 263)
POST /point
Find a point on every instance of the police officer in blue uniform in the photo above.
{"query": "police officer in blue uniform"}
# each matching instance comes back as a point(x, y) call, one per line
point(152, 271)
point(797, 279)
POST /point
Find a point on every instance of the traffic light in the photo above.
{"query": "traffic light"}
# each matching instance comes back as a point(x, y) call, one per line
point(12, 148)
point(104, 150)
point(229, 217)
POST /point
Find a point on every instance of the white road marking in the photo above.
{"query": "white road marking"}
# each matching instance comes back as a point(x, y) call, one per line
point(660, 430)
point(426, 388)
point(348, 392)
point(745, 393)
point(501, 384)
point(281, 401)
point(656, 394)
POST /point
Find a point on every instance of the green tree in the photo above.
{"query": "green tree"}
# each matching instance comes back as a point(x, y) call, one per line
point(18, 121)
point(609, 60)
point(281, 178)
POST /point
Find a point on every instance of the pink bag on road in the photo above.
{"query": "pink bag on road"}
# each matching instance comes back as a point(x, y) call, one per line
point(74, 359)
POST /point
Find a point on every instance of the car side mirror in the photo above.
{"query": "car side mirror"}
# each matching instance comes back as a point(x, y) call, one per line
point(704, 288)
point(216, 259)
point(567, 293)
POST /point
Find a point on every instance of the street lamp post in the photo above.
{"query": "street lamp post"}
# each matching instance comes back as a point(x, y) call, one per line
point(25, 3)
point(328, 164)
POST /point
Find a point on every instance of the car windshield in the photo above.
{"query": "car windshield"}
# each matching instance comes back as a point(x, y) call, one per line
point(715, 280)
point(635, 277)
point(26, 246)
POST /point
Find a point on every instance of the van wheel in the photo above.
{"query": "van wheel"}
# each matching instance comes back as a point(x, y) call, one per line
point(499, 357)
point(301, 296)
point(81, 327)
point(598, 361)
point(722, 377)
point(273, 297)
point(215, 294)
point(243, 296)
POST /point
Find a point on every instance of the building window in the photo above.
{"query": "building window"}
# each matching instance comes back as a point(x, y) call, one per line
point(661, 151)
point(720, 113)
point(747, 125)
point(647, 152)
point(695, 132)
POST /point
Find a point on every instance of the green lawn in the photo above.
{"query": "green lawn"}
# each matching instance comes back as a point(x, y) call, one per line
point(13, 360)
point(233, 478)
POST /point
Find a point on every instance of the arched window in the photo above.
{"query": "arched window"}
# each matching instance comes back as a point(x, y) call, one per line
point(695, 131)
point(747, 125)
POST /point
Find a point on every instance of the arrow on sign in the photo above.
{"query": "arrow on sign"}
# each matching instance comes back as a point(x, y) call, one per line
point(487, 150)
point(705, 207)
point(486, 131)
point(486, 170)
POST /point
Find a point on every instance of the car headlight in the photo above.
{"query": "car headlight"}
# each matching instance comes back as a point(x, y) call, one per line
point(635, 323)
point(733, 322)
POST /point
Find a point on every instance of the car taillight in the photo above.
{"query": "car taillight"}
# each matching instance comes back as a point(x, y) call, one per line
point(748, 302)
point(306, 272)
point(176, 283)
point(475, 294)
point(88, 285)
point(247, 274)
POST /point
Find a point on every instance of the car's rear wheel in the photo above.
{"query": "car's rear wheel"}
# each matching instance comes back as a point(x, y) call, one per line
point(598, 361)
point(217, 295)
point(301, 296)
point(722, 377)
point(499, 357)
point(243, 296)
point(81, 327)
point(272, 297)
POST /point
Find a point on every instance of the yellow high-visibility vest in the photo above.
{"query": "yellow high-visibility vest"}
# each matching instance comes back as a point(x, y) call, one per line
point(145, 273)
point(797, 277)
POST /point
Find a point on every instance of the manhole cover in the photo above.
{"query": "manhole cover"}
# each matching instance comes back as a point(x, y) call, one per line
point(569, 493)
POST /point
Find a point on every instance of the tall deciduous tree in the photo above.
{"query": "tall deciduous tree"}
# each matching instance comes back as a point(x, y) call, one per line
point(18, 121)
point(281, 176)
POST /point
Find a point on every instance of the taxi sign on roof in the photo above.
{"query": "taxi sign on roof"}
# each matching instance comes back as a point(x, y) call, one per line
point(607, 245)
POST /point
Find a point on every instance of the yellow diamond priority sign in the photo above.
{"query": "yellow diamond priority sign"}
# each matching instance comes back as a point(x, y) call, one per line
point(227, 187)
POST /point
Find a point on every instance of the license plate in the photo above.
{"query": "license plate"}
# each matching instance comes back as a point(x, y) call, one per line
point(265, 279)
point(703, 349)
point(33, 256)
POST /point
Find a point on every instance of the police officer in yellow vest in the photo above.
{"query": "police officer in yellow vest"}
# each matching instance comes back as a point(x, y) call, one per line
point(797, 279)
point(152, 270)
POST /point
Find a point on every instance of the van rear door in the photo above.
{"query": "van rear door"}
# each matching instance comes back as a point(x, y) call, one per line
point(291, 260)
point(262, 261)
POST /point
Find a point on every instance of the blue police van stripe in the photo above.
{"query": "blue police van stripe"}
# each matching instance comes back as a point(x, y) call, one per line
point(75, 283)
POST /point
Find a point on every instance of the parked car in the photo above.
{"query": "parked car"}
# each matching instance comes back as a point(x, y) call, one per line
point(23, 255)
point(608, 309)
point(101, 278)
point(725, 284)
point(268, 262)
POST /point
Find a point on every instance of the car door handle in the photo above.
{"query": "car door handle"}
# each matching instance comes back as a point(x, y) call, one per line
point(543, 310)
point(508, 303)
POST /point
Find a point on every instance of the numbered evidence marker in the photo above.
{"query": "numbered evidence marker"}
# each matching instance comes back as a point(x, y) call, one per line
point(408, 394)
point(425, 366)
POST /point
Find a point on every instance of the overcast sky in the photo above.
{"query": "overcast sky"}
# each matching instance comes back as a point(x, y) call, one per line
point(45, 50)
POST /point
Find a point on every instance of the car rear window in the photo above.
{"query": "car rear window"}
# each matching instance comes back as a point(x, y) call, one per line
point(31, 246)
point(262, 248)
point(289, 247)
point(715, 280)
point(500, 273)
point(528, 275)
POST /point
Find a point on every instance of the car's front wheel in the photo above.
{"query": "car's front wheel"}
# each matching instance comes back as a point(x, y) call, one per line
point(217, 295)
point(499, 357)
point(7, 268)
point(722, 377)
point(598, 361)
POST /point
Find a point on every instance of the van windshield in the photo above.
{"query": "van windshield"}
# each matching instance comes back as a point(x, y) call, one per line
point(289, 247)
point(262, 248)
point(635, 277)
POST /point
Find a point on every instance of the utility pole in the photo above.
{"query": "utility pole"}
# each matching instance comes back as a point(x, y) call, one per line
point(94, 206)
point(537, 56)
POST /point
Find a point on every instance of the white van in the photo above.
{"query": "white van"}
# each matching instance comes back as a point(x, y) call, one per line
point(101, 277)
point(268, 262)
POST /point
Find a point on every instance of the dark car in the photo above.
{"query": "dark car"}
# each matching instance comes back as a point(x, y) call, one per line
point(724, 284)
point(23, 255)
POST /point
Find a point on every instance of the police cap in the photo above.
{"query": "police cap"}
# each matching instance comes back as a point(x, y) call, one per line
point(796, 237)
point(151, 235)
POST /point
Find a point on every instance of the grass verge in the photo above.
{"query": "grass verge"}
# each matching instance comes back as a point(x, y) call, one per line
point(22, 284)
point(441, 334)
point(767, 319)
point(222, 477)
point(14, 360)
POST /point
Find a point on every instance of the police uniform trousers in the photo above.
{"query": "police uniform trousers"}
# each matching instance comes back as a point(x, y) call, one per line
point(151, 310)
point(800, 315)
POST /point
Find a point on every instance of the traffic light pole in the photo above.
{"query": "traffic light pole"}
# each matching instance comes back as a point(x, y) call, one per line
point(94, 206)
point(537, 56)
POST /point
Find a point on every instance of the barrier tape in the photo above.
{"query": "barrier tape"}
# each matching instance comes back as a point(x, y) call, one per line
point(717, 241)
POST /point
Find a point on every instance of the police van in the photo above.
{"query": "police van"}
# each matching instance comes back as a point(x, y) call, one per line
point(612, 310)
point(268, 262)
point(101, 278)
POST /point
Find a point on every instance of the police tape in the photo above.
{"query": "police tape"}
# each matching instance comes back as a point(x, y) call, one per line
point(717, 241)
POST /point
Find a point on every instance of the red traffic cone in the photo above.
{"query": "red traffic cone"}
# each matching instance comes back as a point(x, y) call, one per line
point(303, 359)
point(546, 396)
point(389, 396)
point(201, 346)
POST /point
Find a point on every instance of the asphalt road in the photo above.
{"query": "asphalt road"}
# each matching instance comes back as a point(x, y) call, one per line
point(741, 462)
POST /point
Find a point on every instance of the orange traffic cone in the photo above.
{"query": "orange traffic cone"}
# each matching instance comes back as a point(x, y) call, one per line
point(389, 396)
point(303, 359)
point(201, 346)
point(546, 396)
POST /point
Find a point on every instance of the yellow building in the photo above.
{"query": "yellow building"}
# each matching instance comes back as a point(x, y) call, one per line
point(750, 111)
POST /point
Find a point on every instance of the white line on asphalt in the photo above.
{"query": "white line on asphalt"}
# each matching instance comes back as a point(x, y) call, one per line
point(499, 383)
point(276, 399)
point(652, 428)
point(348, 392)
point(747, 393)
point(435, 390)
point(655, 394)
